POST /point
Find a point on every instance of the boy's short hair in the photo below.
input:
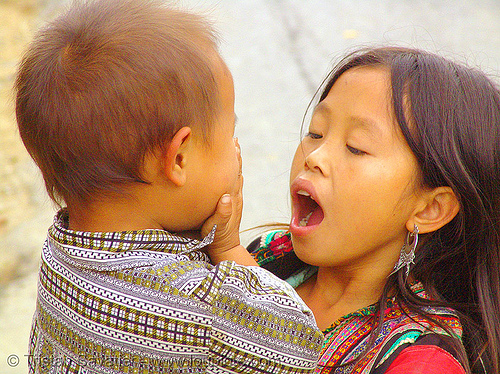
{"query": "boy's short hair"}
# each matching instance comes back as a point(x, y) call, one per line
point(106, 83)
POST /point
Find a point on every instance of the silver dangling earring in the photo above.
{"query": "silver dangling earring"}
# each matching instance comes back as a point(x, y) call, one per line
point(407, 256)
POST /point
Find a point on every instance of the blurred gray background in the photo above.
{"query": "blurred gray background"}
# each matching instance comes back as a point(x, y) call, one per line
point(279, 51)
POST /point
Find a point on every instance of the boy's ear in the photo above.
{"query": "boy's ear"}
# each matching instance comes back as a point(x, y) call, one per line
point(176, 157)
point(439, 206)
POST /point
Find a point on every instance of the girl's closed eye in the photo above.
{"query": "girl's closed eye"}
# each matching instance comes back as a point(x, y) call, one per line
point(313, 135)
point(355, 151)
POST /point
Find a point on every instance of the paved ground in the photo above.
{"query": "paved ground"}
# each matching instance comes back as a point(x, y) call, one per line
point(279, 51)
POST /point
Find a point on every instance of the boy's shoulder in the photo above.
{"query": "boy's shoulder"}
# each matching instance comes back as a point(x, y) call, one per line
point(153, 287)
point(165, 262)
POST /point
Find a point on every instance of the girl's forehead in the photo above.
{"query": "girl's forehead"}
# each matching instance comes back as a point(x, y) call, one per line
point(366, 74)
point(364, 85)
point(360, 88)
point(364, 95)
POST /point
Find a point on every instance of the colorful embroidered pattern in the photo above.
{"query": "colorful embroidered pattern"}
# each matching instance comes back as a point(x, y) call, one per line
point(150, 302)
point(272, 246)
point(346, 339)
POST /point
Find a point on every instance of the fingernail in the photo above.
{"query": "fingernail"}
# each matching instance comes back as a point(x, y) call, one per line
point(225, 199)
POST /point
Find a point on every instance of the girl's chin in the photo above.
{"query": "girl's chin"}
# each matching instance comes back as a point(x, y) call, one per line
point(303, 251)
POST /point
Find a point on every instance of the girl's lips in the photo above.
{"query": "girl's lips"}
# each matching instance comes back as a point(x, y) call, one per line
point(307, 213)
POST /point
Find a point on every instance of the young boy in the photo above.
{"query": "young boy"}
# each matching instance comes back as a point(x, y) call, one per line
point(128, 110)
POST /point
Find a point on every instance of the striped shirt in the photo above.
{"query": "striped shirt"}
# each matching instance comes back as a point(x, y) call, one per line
point(151, 302)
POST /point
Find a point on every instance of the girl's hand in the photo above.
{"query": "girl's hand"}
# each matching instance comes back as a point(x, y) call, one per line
point(227, 217)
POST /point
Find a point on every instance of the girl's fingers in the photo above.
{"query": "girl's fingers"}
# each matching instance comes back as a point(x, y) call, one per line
point(221, 217)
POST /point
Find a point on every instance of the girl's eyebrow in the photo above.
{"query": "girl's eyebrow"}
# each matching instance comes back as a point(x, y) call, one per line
point(322, 108)
point(366, 124)
point(369, 126)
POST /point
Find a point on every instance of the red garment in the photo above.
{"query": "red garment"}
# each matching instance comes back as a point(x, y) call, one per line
point(425, 359)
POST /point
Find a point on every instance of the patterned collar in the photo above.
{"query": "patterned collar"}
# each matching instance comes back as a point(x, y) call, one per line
point(122, 249)
point(347, 338)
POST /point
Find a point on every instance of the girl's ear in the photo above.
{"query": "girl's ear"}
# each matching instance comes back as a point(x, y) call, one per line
point(439, 207)
point(175, 158)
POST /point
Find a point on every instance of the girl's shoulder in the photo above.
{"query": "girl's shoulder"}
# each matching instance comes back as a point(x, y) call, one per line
point(422, 343)
point(402, 331)
point(430, 354)
point(429, 337)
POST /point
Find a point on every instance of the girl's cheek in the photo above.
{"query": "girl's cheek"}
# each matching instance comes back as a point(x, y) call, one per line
point(296, 162)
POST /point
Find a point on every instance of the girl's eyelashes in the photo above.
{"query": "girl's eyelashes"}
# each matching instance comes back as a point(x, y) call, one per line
point(313, 135)
point(355, 151)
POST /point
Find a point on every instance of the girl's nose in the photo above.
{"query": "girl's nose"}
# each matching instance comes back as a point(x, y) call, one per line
point(314, 161)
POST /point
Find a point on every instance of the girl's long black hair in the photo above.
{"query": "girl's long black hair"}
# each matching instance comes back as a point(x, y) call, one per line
point(450, 116)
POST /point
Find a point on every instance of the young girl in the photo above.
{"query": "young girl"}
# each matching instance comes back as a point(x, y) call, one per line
point(395, 233)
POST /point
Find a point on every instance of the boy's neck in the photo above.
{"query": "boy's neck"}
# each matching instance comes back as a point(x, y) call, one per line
point(116, 215)
point(104, 217)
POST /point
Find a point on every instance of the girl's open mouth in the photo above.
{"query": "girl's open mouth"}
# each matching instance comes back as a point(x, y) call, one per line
point(307, 213)
point(310, 213)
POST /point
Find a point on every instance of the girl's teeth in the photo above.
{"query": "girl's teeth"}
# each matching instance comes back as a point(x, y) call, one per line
point(304, 193)
point(303, 221)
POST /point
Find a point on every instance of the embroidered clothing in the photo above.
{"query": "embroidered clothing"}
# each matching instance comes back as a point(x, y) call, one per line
point(425, 359)
point(150, 302)
point(347, 337)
